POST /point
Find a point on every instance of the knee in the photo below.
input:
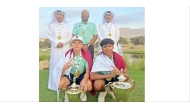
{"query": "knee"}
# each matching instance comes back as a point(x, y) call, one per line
point(63, 84)
point(89, 85)
point(98, 86)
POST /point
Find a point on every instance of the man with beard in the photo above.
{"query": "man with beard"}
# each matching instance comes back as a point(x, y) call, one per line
point(59, 34)
point(87, 30)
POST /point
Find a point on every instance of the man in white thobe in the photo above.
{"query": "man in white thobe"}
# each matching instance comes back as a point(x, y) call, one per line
point(59, 34)
point(108, 29)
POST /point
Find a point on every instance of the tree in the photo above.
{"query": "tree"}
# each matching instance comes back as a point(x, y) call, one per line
point(135, 41)
point(41, 44)
point(47, 43)
point(138, 40)
point(123, 40)
point(141, 40)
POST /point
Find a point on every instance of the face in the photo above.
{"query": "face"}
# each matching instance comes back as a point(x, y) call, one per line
point(59, 16)
point(107, 49)
point(77, 45)
point(108, 17)
point(84, 15)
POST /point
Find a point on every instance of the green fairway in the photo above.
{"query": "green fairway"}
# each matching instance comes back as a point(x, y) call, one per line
point(138, 95)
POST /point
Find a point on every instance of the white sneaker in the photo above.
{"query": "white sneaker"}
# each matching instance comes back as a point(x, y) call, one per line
point(83, 96)
point(101, 97)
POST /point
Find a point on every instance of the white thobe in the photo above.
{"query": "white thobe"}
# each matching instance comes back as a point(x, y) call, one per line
point(103, 32)
point(57, 53)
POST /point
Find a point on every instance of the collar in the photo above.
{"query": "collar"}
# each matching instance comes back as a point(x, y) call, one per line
point(86, 22)
point(108, 24)
point(62, 23)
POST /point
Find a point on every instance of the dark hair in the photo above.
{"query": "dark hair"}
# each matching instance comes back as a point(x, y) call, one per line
point(106, 41)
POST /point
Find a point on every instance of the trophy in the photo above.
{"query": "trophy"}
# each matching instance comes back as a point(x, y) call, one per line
point(74, 86)
point(122, 89)
point(73, 92)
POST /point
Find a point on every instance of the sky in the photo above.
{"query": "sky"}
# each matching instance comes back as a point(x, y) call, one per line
point(130, 17)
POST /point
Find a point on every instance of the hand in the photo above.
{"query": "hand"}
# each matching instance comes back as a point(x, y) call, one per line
point(67, 65)
point(60, 45)
point(112, 74)
point(116, 71)
point(86, 48)
point(83, 85)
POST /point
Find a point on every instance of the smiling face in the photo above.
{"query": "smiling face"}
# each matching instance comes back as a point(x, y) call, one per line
point(84, 15)
point(108, 17)
point(107, 49)
point(59, 16)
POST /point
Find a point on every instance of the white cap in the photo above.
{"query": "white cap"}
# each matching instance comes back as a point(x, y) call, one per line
point(77, 38)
